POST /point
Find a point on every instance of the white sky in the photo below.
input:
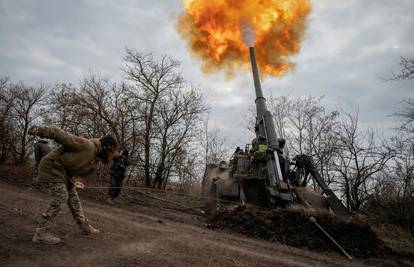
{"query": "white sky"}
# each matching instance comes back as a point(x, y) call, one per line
point(348, 48)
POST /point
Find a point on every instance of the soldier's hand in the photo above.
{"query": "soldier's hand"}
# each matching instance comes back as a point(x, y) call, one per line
point(79, 185)
point(33, 130)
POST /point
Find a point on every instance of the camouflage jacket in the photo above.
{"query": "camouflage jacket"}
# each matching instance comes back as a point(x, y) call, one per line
point(75, 156)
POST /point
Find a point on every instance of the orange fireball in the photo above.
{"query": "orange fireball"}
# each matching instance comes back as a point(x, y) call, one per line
point(214, 28)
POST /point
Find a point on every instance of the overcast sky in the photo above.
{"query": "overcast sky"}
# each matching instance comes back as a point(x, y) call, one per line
point(348, 48)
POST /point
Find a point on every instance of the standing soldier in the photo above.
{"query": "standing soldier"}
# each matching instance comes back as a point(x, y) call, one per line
point(75, 156)
point(41, 149)
point(117, 175)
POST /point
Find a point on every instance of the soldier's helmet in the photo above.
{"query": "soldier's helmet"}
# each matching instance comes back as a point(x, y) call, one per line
point(282, 142)
point(108, 142)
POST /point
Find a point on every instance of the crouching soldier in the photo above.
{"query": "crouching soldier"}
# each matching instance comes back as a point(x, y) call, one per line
point(41, 149)
point(117, 175)
point(75, 156)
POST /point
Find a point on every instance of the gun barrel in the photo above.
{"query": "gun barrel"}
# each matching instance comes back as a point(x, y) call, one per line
point(260, 100)
point(265, 126)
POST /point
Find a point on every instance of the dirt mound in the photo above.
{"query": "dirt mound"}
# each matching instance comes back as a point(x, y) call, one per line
point(292, 227)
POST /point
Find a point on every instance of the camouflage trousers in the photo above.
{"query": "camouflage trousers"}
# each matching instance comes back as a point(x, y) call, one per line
point(61, 193)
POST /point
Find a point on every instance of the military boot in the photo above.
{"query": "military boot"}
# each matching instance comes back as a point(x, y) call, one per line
point(42, 235)
point(87, 229)
point(110, 201)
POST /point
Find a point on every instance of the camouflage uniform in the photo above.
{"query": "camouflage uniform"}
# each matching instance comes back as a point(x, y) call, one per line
point(62, 193)
point(75, 156)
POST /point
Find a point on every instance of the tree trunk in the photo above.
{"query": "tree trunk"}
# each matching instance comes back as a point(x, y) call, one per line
point(161, 166)
point(158, 175)
point(22, 156)
point(148, 143)
point(147, 178)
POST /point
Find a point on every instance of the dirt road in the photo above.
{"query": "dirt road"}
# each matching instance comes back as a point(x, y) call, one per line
point(133, 239)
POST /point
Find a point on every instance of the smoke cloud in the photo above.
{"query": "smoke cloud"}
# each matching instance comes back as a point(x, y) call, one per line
point(248, 34)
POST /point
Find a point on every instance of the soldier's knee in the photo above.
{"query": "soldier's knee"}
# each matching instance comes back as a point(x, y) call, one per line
point(64, 195)
point(59, 201)
point(59, 193)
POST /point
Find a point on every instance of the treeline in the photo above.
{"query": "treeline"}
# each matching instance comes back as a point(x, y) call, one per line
point(154, 113)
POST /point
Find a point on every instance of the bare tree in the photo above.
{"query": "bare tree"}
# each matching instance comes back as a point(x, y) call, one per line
point(152, 80)
point(186, 169)
point(7, 127)
point(406, 70)
point(63, 109)
point(107, 103)
point(214, 145)
point(406, 114)
point(361, 156)
point(393, 196)
point(25, 110)
point(179, 115)
point(403, 174)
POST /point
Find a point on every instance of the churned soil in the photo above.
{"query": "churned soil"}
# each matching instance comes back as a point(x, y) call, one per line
point(293, 227)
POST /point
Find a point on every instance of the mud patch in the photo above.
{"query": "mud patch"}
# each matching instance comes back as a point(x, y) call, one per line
point(292, 227)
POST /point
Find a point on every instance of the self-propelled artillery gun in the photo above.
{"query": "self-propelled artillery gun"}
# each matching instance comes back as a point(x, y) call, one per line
point(261, 175)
